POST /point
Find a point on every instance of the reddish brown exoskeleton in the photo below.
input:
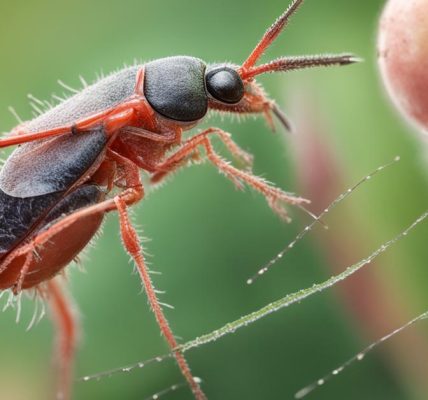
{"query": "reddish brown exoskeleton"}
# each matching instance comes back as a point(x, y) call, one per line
point(57, 186)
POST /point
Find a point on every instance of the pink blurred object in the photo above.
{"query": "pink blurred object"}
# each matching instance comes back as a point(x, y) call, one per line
point(403, 57)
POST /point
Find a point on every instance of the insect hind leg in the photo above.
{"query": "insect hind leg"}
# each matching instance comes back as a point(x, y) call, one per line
point(67, 332)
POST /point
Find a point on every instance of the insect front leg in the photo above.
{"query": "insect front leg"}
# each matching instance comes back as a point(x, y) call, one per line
point(67, 332)
point(274, 196)
point(190, 151)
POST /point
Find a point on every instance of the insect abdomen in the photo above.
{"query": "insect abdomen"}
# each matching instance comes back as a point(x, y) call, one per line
point(63, 247)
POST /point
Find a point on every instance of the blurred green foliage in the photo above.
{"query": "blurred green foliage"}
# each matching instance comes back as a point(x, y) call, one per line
point(206, 237)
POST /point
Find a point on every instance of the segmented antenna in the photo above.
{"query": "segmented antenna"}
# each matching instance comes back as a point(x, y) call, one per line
point(358, 357)
point(172, 388)
point(317, 220)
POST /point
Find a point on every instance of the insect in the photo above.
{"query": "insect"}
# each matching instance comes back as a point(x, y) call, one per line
point(83, 158)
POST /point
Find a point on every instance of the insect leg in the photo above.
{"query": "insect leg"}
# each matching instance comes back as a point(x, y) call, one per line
point(67, 330)
point(274, 196)
point(131, 195)
point(190, 150)
point(133, 246)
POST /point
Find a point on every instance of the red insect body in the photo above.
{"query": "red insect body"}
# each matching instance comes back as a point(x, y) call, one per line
point(55, 189)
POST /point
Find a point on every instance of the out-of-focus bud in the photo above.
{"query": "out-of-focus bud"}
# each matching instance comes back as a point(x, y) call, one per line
point(403, 57)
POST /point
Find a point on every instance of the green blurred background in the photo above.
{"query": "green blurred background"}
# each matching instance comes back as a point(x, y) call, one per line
point(207, 238)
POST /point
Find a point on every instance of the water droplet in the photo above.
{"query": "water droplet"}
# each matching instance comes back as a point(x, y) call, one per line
point(321, 382)
point(249, 282)
point(86, 378)
point(360, 356)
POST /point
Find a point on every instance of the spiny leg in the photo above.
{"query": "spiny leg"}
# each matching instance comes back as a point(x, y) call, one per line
point(130, 196)
point(189, 151)
point(274, 196)
point(67, 331)
point(133, 247)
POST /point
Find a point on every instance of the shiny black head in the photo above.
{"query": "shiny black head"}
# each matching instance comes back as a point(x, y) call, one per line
point(179, 88)
point(225, 85)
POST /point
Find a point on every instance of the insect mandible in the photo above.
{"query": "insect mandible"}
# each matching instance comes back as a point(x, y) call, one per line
point(82, 159)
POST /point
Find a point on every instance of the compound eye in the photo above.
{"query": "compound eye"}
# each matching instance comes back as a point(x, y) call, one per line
point(225, 85)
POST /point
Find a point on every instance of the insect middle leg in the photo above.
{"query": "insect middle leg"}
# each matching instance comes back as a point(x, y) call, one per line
point(274, 196)
point(133, 246)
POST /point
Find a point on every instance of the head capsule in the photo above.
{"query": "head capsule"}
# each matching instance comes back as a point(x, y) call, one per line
point(180, 88)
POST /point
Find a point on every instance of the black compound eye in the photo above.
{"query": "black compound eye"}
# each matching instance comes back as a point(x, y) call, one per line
point(225, 85)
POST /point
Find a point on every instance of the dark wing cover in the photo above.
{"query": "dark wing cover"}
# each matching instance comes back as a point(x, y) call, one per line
point(52, 165)
point(36, 176)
